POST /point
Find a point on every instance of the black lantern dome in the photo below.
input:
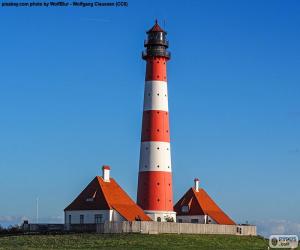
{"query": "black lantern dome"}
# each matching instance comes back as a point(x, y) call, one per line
point(156, 43)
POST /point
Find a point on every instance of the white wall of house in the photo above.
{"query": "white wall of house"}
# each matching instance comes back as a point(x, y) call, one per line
point(116, 216)
point(88, 216)
point(193, 219)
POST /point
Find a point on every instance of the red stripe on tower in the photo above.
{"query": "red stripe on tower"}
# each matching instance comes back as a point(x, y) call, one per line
point(155, 126)
point(155, 193)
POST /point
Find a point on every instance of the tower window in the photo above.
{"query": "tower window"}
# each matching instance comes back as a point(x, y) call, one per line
point(158, 94)
point(157, 76)
point(158, 166)
point(158, 200)
point(157, 130)
point(157, 148)
point(157, 183)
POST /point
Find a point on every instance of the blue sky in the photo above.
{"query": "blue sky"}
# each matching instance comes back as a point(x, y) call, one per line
point(71, 94)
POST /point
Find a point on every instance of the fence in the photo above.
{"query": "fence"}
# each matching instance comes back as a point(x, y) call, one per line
point(153, 227)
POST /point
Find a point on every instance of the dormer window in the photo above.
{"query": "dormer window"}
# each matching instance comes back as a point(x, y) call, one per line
point(92, 198)
point(185, 209)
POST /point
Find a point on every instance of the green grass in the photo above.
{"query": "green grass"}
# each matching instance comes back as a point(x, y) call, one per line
point(133, 241)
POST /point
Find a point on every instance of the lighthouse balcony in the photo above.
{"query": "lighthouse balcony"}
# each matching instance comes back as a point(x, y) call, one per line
point(156, 42)
point(155, 53)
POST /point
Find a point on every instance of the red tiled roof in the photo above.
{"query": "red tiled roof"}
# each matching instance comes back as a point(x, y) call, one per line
point(91, 198)
point(200, 203)
point(101, 195)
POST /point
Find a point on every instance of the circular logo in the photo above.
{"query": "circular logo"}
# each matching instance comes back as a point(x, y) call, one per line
point(274, 241)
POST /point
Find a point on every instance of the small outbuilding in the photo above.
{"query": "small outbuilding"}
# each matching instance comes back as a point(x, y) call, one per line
point(196, 206)
point(103, 200)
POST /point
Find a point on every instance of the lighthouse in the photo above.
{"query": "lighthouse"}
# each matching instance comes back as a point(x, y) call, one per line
point(154, 194)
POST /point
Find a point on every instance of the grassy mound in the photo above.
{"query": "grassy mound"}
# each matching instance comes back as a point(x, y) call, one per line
point(133, 241)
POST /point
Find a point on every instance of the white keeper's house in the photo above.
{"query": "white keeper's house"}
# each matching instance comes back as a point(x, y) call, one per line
point(103, 200)
point(196, 206)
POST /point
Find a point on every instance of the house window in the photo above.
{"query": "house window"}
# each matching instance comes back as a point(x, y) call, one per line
point(194, 220)
point(180, 220)
point(98, 218)
point(81, 219)
point(184, 209)
point(158, 219)
point(70, 219)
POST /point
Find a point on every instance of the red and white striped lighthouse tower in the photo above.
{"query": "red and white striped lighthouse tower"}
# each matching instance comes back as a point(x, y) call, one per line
point(155, 194)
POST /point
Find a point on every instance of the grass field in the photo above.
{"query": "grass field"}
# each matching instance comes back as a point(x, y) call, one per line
point(133, 241)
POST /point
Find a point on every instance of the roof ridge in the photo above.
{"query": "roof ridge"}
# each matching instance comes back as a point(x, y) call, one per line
point(196, 196)
point(119, 200)
point(102, 191)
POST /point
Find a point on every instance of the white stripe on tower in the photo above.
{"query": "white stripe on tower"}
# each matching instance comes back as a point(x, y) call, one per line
point(155, 156)
point(156, 96)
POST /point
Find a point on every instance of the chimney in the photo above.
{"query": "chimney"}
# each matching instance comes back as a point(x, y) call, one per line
point(105, 173)
point(196, 180)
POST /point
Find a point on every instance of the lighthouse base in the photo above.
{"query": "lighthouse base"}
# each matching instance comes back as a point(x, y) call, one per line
point(162, 216)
